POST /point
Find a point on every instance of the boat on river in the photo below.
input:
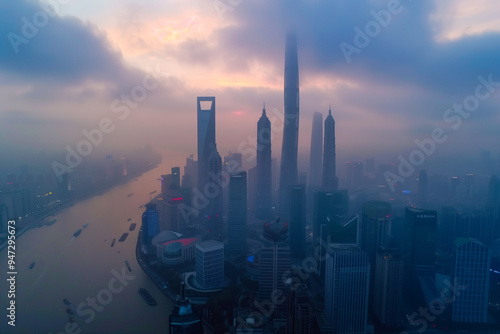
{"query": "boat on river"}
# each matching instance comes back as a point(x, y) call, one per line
point(147, 297)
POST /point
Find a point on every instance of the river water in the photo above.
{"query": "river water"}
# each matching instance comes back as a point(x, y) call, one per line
point(86, 270)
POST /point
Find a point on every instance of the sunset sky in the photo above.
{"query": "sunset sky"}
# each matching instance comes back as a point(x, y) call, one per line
point(67, 76)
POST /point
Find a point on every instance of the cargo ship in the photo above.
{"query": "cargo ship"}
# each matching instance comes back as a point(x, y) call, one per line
point(123, 237)
point(147, 297)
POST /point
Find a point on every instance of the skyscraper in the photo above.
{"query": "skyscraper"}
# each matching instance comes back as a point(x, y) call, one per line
point(471, 271)
point(375, 227)
point(346, 295)
point(183, 320)
point(423, 226)
point(209, 255)
point(299, 312)
point(274, 259)
point(206, 137)
point(237, 215)
point(214, 192)
point(344, 231)
point(150, 223)
point(297, 220)
point(264, 185)
point(316, 157)
point(209, 163)
point(329, 206)
point(388, 292)
point(423, 186)
point(330, 181)
point(288, 170)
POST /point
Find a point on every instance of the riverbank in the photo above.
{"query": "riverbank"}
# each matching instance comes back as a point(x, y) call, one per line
point(37, 220)
point(159, 282)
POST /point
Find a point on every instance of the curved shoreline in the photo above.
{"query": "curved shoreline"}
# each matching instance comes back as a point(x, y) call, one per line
point(159, 282)
point(41, 216)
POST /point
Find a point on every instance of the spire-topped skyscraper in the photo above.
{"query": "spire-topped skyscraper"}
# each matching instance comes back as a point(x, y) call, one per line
point(330, 180)
point(288, 171)
point(264, 185)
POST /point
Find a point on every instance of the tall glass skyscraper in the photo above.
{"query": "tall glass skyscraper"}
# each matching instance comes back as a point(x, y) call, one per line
point(330, 180)
point(237, 215)
point(150, 223)
point(471, 272)
point(209, 165)
point(346, 294)
point(288, 171)
point(209, 255)
point(264, 185)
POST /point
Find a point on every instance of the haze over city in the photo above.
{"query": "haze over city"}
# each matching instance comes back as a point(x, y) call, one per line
point(246, 166)
point(65, 78)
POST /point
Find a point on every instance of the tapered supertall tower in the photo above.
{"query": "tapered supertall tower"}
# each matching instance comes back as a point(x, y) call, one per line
point(288, 171)
point(330, 180)
point(264, 185)
point(209, 166)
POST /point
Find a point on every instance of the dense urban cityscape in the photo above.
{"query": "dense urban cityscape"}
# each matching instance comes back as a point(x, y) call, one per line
point(261, 238)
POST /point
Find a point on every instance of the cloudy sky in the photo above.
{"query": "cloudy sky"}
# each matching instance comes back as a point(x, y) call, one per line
point(66, 65)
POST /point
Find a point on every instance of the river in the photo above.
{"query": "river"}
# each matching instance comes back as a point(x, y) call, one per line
point(86, 270)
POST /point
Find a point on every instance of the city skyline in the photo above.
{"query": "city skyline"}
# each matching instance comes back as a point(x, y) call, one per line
point(326, 78)
point(345, 222)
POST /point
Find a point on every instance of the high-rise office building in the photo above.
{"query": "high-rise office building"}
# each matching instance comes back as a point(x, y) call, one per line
point(423, 187)
point(233, 163)
point(252, 189)
point(209, 255)
point(299, 312)
point(388, 294)
point(316, 156)
point(297, 221)
point(274, 259)
point(329, 206)
point(375, 227)
point(264, 182)
point(183, 320)
point(237, 215)
point(494, 190)
point(150, 223)
point(288, 170)
point(206, 137)
point(209, 166)
point(346, 294)
point(330, 180)
point(171, 182)
point(354, 175)
point(471, 271)
point(423, 226)
point(190, 177)
point(344, 231)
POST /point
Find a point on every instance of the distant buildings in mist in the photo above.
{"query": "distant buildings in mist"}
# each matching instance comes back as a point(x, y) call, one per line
point(343, 250)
